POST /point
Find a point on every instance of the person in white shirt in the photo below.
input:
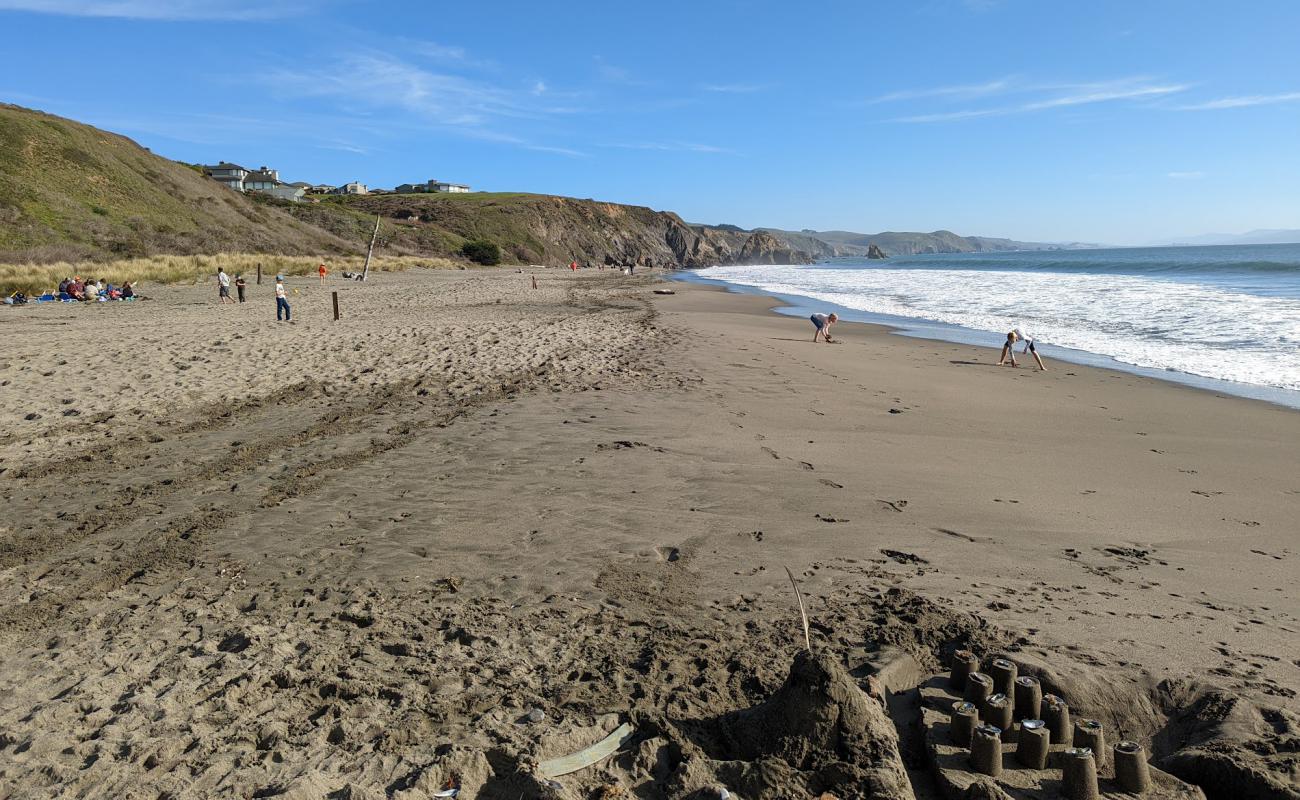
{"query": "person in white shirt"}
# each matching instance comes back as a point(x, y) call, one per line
point(281, 300)
point(223, 286)
point(822, 322)
point(1008, 349)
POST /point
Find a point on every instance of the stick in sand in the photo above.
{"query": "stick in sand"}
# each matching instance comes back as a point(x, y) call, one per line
point(803, 613)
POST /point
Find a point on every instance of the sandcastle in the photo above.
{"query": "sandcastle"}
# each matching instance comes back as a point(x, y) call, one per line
point(996, 727)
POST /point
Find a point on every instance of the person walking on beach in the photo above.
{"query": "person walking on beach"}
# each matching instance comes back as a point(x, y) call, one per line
point(281, 300)
point(223, 287)
point(822, 323)
point(1008, 348)
point(239, 287)
point(322, 272)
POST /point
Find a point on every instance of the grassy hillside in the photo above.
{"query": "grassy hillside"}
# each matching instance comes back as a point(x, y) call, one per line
point(530, 228)
point(70, 192)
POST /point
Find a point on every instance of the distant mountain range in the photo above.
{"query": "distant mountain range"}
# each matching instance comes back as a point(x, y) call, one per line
point(835, 244)
point(1260, 236)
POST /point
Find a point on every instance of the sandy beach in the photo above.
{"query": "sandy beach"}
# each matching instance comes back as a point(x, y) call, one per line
point(474, 526)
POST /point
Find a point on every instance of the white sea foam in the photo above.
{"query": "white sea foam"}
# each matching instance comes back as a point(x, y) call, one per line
point(1188, 327)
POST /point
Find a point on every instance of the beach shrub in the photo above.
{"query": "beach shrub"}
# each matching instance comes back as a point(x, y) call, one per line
point(481, 251)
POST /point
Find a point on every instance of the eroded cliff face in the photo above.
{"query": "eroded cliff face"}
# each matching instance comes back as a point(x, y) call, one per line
point(556, 230)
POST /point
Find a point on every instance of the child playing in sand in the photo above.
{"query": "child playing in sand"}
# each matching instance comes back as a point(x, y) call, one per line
point(823, 322)
point(1008, 348)
point(323, 272)
point(239, 286)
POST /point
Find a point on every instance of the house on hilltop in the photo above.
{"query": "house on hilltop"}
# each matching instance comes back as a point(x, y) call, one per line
point(354, 187)
point(430, 186)
point(229, 175)
point(262, 179)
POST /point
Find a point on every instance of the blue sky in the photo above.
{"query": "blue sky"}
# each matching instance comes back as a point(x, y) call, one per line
point(1118, 121)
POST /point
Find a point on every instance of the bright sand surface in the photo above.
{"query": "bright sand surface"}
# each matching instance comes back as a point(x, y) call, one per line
point(241, 556)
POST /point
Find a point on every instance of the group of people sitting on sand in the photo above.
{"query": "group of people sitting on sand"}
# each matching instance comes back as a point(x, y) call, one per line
point(93, 290)
point(822, 330)
point(75, 290)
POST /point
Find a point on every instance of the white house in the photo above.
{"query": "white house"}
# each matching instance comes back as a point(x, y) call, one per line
point(230, 175)
point(262, 180)
point(430, 186)
point(286, 191)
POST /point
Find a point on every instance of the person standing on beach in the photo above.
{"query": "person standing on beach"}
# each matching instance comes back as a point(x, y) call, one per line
point(239, 287)
point(822, 323)
point(322, 272)
point(1008, 348)
point(281, 300)
point(223, 287)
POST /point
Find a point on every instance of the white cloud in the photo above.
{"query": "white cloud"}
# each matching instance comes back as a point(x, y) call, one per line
point(1056, 96)
point(686, 147)
point(171, 10)
point(1101, 94)
point(965, 90)
point(734, 88)
point(430, 99)
point(1244, 101)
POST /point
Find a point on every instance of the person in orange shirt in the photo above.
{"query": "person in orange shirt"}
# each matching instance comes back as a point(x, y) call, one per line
point(573, 265)
point(322, 272)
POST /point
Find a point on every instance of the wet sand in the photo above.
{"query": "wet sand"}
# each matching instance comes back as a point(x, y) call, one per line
point(348, 559)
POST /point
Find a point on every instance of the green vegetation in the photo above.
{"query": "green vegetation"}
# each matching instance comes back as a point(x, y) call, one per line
point(481, 251)
point(70, 192)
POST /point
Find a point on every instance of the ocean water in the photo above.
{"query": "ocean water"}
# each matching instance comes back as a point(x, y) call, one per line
point(1229, 316)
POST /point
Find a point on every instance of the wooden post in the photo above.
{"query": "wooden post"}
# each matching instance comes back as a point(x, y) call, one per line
point(336, 306)
point(259, 273)
point(365, 272)
point(534, 281)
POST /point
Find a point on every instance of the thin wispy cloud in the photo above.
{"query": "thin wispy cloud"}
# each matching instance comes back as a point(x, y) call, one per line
point(446, 54)
point(434, 99)
point(966, 90)
point(1190, 175)
point(1105, 95)
point(734, 88)
point(164, 10)
point(1048, 97)
point(672, 146)
point(1244, 101)
point(613, 73)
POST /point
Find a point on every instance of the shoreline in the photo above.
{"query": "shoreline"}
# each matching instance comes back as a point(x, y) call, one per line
point(921, 328)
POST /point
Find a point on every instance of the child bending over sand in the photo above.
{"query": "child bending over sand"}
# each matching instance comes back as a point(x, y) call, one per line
point(1008, 349)
point(823, 322)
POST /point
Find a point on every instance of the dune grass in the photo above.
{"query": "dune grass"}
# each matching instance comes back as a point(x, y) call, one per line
point(36, 278)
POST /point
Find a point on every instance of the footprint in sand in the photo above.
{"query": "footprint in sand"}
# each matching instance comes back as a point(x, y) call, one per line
point(829, 519)
point(831, 483)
